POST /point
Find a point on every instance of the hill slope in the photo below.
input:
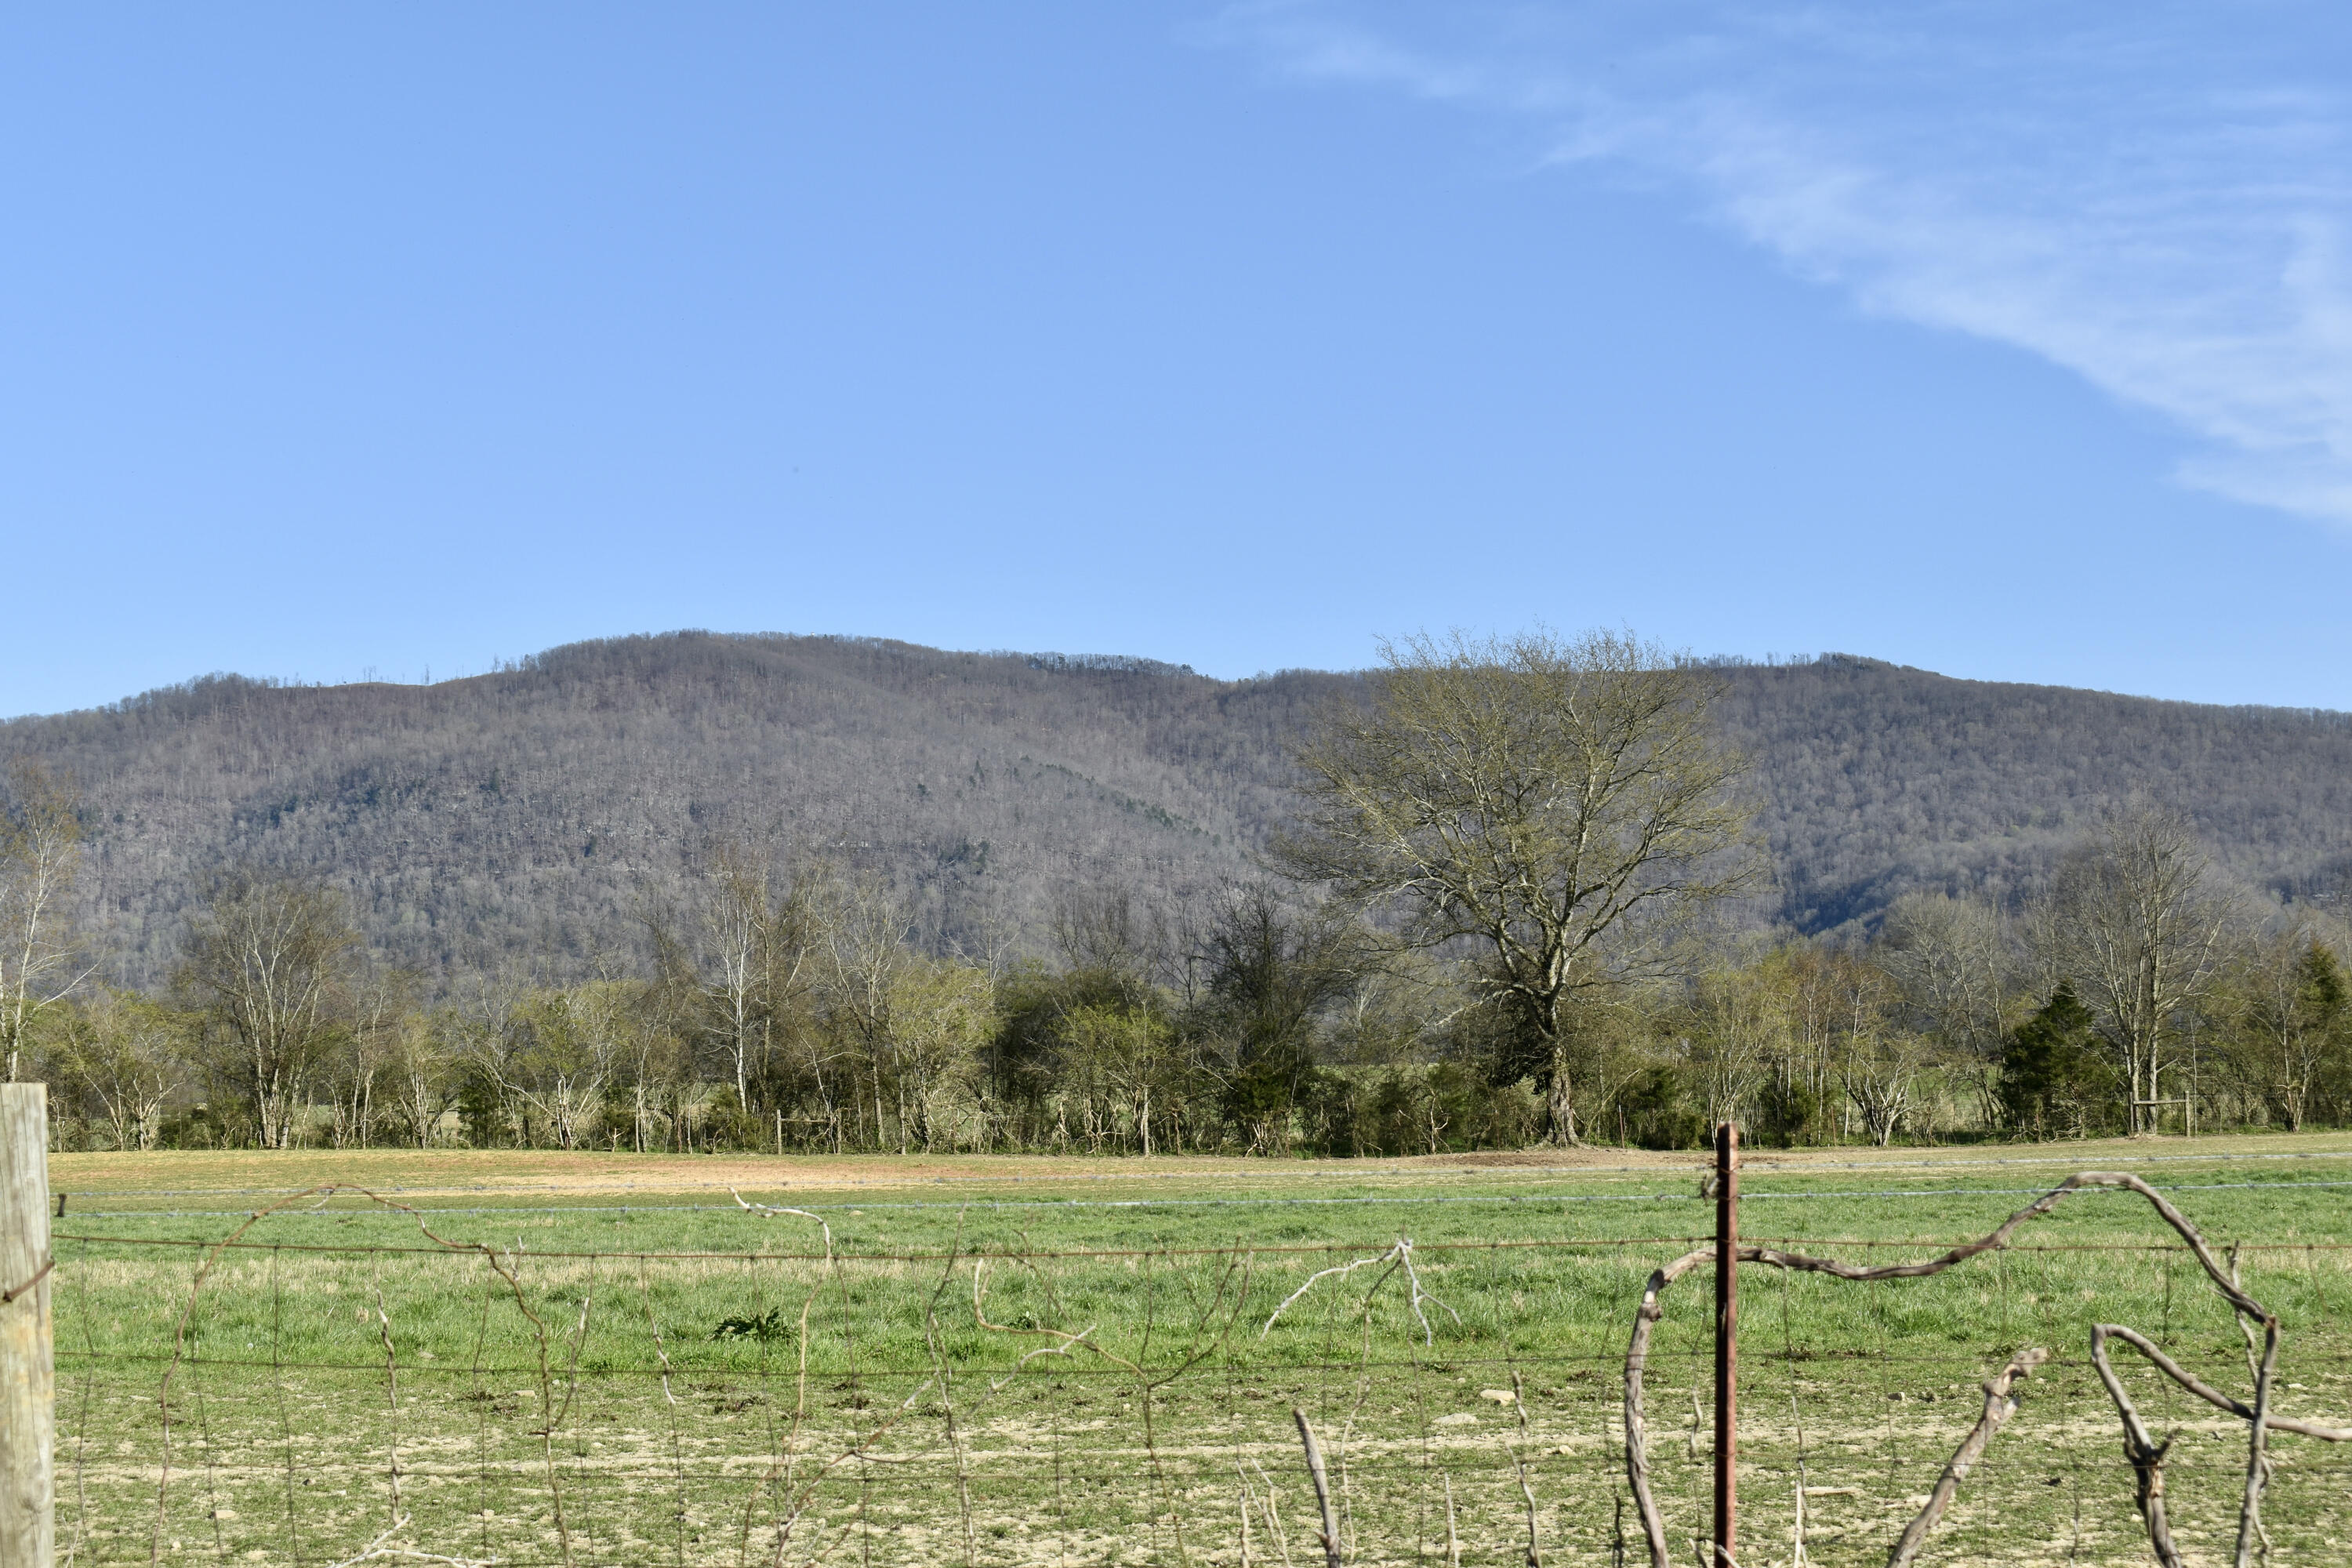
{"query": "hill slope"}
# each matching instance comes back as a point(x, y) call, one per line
point(525, 814)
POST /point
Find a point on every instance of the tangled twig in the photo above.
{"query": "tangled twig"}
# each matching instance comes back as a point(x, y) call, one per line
point(783, 1468)
point(505, 1269)
point(2146, 1455)
point(1400, 1258)
point(771, 1211)
point(1065, 1341)
point(381, 1550)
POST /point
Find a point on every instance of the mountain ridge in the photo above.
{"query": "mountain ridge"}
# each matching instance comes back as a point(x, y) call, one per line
point(524, 815)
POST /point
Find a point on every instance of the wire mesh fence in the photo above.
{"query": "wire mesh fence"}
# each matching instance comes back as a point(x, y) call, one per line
point(440, 1385)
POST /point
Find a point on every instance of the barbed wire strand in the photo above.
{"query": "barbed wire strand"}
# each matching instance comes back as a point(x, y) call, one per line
point(2244, 1308)
point(1674, 1197)
point(196, 1294)
point(1515, 1244)
point(629, 1371)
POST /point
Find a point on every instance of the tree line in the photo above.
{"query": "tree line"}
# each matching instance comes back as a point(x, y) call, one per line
point(1514, 904)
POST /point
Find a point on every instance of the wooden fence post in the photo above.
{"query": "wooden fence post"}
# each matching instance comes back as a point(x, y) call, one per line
point(1726, 1344)
point(27, 1372)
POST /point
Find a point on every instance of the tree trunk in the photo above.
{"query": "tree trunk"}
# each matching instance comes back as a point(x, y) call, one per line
point(1561, 1107)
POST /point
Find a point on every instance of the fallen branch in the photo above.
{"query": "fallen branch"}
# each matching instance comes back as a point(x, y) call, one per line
point(1400, 1258)
point(771, 1211)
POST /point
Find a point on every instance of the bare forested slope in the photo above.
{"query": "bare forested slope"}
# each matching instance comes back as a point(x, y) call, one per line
point(1877, 779)
point(528, 815)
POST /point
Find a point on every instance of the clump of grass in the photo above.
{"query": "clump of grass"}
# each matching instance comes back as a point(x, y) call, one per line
point(769, 1325)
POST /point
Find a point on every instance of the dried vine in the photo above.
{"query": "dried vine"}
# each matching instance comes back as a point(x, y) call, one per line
point(2146, 1455)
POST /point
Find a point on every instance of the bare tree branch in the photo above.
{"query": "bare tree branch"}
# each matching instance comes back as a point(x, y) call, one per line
point(1999, 1405)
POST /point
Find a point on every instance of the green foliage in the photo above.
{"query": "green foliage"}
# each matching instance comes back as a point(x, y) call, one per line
point(1789, 1112)
point(1659, 1112)
point(2057, 1077)
point(2286, 1024)
point(727, 1123)
point(2324, 994)
point(483, 1112)
point(1419, 1109)
point(765, 1327)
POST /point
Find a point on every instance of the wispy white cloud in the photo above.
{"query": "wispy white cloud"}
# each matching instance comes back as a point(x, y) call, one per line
point(2156, 196)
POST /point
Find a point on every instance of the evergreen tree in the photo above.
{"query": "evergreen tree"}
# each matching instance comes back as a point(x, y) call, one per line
point(2324, 1001)
point(2054, 1077)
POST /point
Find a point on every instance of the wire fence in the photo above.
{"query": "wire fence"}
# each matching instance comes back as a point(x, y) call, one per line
point(1493, 1200)
point(260, 1396)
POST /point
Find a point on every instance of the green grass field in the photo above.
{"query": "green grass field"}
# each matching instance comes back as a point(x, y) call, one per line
point(679, 1416)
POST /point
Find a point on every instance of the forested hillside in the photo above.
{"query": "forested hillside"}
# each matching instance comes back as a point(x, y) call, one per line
point(529, 815)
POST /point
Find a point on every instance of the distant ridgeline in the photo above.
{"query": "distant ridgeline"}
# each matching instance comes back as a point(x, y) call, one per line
point(530, 814)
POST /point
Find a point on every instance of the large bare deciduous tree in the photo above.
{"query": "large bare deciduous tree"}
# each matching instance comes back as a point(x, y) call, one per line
point(269, 959)
point(422, 1070)
point(1540, 806)
point(754, 957)
point(41, 854)
point(912, 1027)
point(2135, 921)
point(125, 1052)
point(1267, 973)
point(1951, 958)
point(2290, 1015)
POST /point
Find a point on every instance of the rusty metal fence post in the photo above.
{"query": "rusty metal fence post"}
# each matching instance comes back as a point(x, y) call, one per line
point(1726, 1344)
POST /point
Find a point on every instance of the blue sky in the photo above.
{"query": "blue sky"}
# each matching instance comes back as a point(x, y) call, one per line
point(2012, 340)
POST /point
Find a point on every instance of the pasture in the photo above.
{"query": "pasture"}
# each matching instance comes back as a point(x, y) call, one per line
point(587, 1359)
